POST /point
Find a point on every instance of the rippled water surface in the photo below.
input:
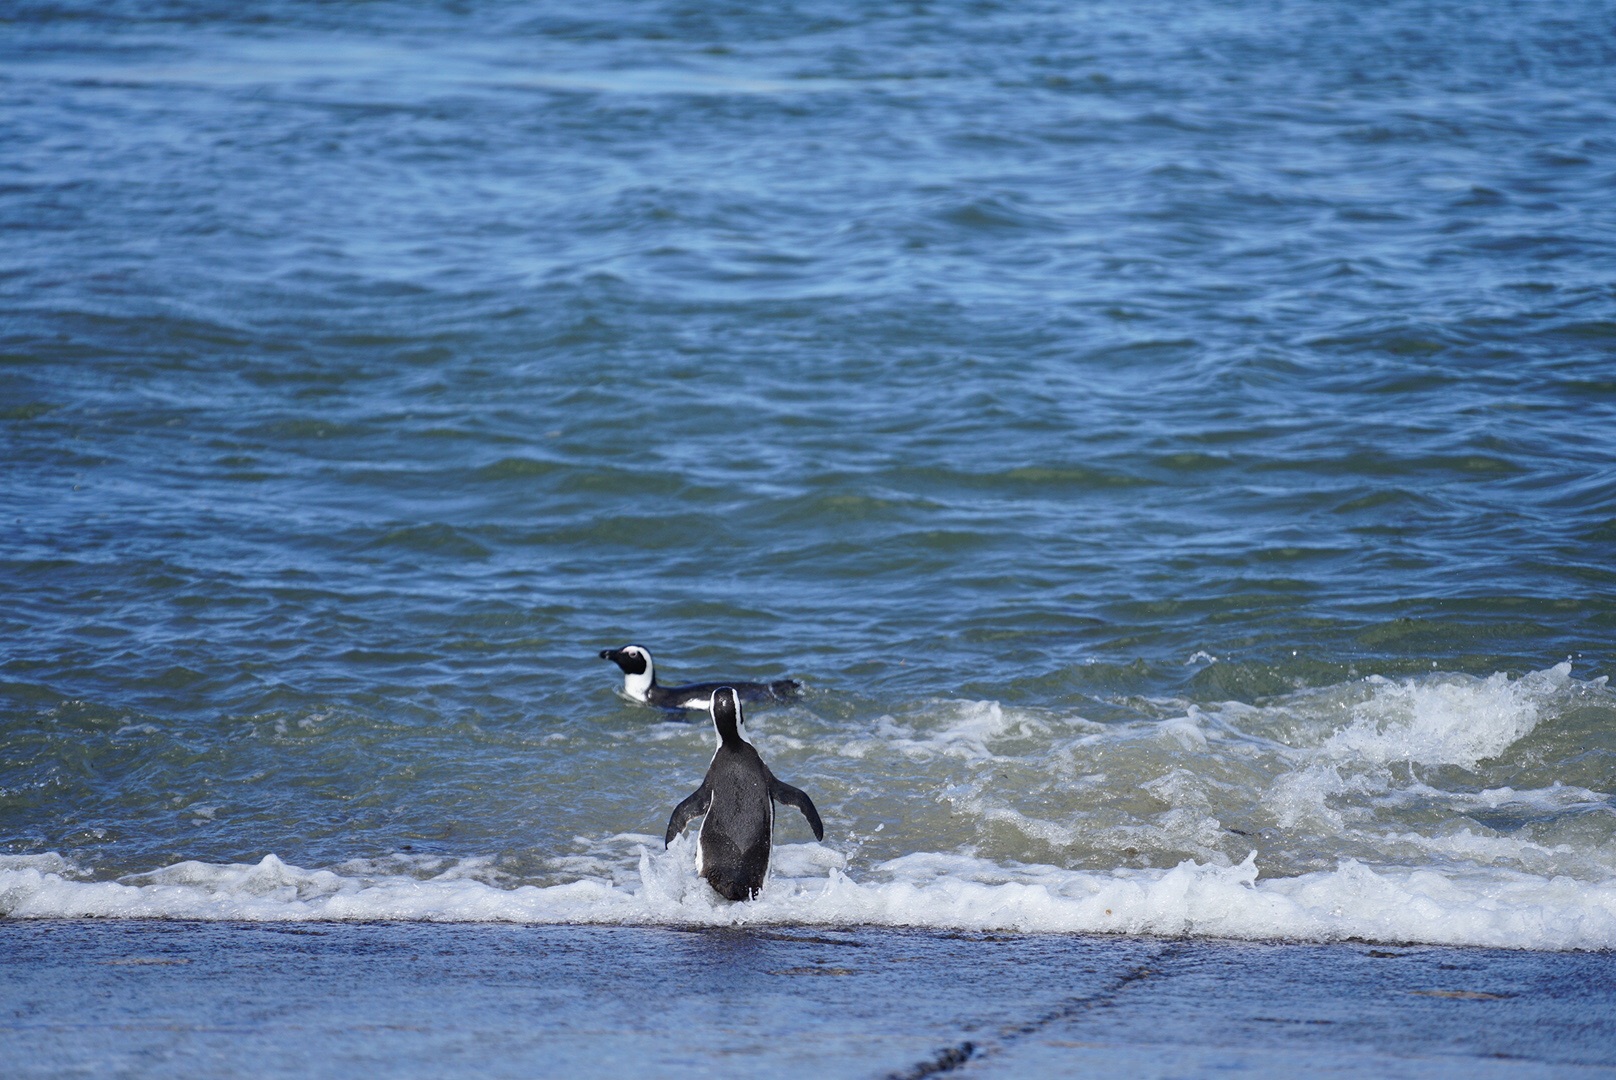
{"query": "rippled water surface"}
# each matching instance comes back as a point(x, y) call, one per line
point(1155, 433)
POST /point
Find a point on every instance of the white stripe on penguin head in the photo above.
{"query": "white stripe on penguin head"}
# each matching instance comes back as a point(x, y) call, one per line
point(638, 686)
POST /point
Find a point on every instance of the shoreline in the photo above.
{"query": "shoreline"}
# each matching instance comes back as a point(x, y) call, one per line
point(768, 929)
point(148, 997)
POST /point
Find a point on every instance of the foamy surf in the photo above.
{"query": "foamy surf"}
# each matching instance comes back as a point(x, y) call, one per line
point(1445, 772)
point(810, 886)
point(1444, 809)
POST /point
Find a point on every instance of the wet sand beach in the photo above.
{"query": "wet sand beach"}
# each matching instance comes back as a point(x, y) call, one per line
point(159, 998)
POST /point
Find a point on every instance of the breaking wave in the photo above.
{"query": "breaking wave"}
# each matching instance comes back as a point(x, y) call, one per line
point(810, 886)
point(1446, 809)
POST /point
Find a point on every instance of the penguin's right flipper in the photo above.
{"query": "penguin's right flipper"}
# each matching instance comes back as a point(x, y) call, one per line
point(782, 792)
point(695, 804)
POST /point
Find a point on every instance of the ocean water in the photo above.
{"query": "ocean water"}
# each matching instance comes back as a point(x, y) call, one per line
point(1174, 444)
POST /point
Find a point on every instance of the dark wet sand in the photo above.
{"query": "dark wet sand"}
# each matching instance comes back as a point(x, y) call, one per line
point(142, 998)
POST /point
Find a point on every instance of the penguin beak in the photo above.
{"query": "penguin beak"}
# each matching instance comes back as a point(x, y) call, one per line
point(608, 654)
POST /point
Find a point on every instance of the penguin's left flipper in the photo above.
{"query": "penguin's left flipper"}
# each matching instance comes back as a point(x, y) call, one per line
point(695, 804)
point(782, 792)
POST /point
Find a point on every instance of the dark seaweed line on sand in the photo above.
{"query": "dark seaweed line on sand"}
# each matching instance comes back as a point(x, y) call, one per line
point(953, 1057)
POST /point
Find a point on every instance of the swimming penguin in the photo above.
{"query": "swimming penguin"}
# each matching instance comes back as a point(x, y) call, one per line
point(738, 796)
point(639, 684)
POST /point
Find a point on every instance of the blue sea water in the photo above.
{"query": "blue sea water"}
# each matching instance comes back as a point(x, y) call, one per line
point(1155, 434)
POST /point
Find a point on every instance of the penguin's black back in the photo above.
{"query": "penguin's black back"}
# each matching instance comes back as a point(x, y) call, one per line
point(739, 828)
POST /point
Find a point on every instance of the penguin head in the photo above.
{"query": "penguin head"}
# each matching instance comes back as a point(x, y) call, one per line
point(638, 670)
point(726, 709)
point(633, 659)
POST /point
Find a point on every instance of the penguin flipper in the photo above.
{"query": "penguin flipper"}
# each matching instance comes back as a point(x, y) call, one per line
point(694, 805)
point(782, 792)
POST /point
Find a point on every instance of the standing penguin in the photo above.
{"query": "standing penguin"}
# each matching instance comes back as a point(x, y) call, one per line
point(738, 796)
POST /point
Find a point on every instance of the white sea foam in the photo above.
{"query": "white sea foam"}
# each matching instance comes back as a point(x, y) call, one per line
point(1385, 810)
point(1454, 721)
point(811, 886)
point(965, 729)
point(1444, 771)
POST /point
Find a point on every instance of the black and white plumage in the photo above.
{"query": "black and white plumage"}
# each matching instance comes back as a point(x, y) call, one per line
point(738, 796)
point(640, 685)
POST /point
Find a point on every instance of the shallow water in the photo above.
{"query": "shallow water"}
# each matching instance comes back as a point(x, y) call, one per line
point(1154, 433)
